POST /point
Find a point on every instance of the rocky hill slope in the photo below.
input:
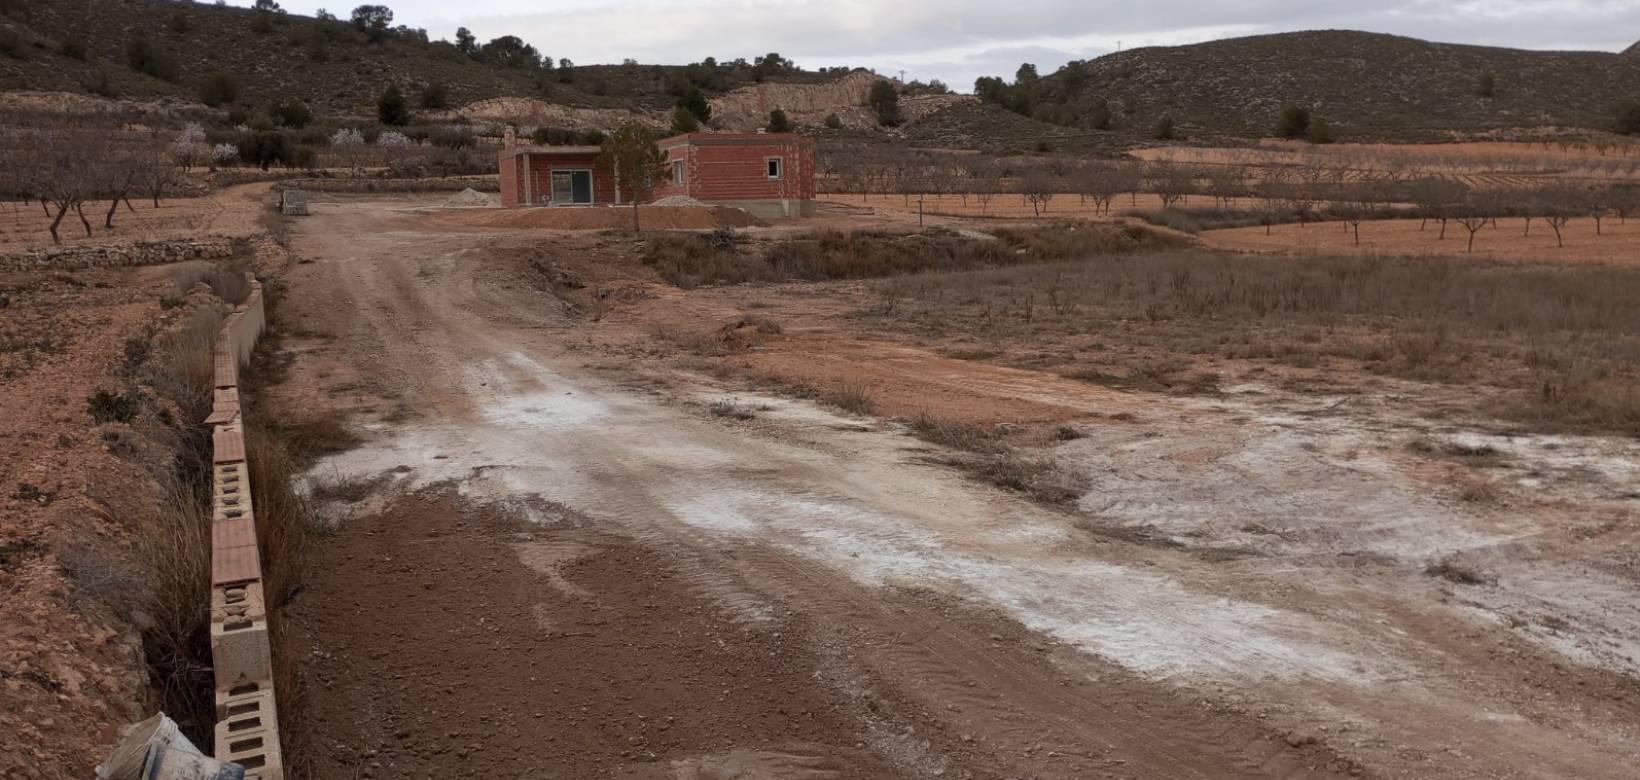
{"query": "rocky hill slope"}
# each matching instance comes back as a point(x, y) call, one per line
point(1364, 84)
point(170, 50)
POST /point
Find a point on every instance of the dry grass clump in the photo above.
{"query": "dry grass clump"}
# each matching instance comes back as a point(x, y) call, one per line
point(1564, 338)
point(1080, 240)
point(982, 455)
point(174, 545)
point(1451, 570)
point(956, 434)
point(730, 409)
point(731, 337)
point(689, 260)
point(309, 438)
point(182, 364)
point(850, 395)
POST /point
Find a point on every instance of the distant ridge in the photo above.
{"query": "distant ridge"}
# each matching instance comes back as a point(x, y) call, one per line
point(1363, 84)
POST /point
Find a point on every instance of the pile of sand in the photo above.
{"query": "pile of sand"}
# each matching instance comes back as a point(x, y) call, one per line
point(470, 199)
point(677, 200)
point(601, 218)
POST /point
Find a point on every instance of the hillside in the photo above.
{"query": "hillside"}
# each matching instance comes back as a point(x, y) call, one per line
point(86, 46)
point(1364, 84)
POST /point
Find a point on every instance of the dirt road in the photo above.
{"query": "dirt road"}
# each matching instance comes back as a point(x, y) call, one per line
point(562, 574)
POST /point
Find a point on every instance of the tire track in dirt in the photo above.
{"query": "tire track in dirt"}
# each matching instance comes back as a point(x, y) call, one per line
point(501, 417)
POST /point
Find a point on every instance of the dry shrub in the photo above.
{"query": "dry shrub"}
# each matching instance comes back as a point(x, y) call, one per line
point(309, 438)
point(284, 521)
point(956, 434)
point(1564, 337)
point(690, 260)
point(1038, 477)
point(730, 409)
point(731, 337)
point(850, 395)
point(182, 366)
point(173, 544)
point(983, 456)
point(1451, 570)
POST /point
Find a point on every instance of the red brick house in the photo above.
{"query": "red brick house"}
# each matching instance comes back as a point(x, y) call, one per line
point(553, 176)
point(768, 174)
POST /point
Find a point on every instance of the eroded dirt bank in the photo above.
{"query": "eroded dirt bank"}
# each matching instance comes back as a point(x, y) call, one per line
point(907, 620)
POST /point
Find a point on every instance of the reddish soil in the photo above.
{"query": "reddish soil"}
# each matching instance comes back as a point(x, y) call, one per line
point(1618, 242)
point(940, 625)
point(437, 651)
point(71, 490)
point(594, 218)
point(447, 631)
point(230, 213)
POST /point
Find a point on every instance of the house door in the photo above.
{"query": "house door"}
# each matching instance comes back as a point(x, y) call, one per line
point(572, 187)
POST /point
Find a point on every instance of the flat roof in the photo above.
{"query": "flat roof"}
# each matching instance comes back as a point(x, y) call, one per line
point(579, 151)
point(707, 138)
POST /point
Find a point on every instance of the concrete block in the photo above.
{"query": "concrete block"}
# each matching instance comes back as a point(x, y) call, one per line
point(226, 693)
point(238, 602)
point(239, 652)
point(227, 445)
point(252, 742)
point(226, 367)
point(236, 532)
point(258, 701)
point(235, 564)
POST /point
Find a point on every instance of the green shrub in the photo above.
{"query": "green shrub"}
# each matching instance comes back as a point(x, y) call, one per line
point(1294, 122)
point(1320, 131)
point(146, 58)
point(435, 97)
point(1628, 119)
point(778, 123)
point(1164, 128)
point(74, 49)
point(291, 112)
point(219, 89)
point(391, 108)
point(107, 407)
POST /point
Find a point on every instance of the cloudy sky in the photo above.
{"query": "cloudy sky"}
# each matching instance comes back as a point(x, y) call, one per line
point(957, 40)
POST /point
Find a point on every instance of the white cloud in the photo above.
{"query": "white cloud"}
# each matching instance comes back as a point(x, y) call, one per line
point(956, 40)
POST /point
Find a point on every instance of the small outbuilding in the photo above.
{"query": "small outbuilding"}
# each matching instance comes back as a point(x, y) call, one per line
point(553, 176)
point(767, 174)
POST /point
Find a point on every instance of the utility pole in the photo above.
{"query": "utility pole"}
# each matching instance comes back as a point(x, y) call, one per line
point(902, 75)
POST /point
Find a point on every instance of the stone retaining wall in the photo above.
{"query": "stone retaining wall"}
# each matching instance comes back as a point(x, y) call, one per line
point(77, 258)
point(451, 184)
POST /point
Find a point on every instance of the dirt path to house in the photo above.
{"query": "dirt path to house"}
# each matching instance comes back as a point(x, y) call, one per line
point(559, 573)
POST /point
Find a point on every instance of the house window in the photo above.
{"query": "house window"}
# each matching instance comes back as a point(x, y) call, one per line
point(774, 167)
point(677, 172)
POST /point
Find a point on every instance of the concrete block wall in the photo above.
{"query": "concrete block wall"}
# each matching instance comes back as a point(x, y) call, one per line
point(247, 729)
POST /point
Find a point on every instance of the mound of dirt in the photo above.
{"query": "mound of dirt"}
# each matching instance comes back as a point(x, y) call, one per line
point(470, 198)
point(677, 200)
point(602, 218)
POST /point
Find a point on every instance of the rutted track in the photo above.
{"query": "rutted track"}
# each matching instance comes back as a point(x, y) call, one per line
point(973, 634)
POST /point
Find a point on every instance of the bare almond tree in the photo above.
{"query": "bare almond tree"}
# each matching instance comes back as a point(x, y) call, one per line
point(1170, 182)
point(1038, 187)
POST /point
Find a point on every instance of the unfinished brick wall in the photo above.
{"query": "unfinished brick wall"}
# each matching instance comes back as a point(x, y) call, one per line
point(733, 168)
